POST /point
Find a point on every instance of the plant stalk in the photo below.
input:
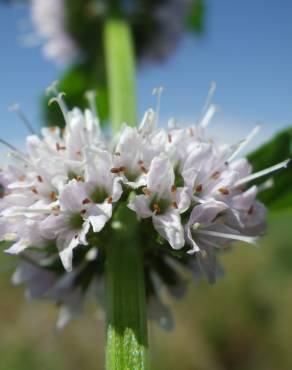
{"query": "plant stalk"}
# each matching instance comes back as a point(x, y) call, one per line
point(127, 342)
point(127, 336)
point(120, 66)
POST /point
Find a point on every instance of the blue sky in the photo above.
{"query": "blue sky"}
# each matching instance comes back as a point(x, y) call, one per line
point(246, 49)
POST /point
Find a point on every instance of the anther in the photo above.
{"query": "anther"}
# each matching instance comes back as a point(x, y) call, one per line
point(60, 147)
point(110, 200)
point(40, 179)
point(199, 188)
point(56, 210)
point(146, 191)
point(53, 196)
point(143, 169)
point(86, 201)
point(34, 190)
point(173, 189)
point(156, 208)
point(223, 191)
point(216, 175)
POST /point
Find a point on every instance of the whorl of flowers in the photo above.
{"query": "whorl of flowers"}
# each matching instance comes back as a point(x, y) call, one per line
point(49, 19)
point(60, 198)
point(70, 29)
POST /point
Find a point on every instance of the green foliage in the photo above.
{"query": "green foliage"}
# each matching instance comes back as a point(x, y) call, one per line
point(273, 152)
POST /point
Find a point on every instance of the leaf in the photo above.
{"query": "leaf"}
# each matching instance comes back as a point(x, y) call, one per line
point(273, 152)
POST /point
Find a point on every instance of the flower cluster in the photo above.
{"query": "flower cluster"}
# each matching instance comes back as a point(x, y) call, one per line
point(73, 29)
point(49, 19)
point(59, 199)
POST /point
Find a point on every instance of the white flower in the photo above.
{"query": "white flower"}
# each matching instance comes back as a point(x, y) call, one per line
point(206, 231)
point(72, 219)
point(161, 203)
point(58, 201)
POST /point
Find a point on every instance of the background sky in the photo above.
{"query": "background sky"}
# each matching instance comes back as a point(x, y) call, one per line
point(246, 48)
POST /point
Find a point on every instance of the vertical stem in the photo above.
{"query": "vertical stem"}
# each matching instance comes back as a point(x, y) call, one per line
point(127, 337)
point(127, 342)
point(120, 65)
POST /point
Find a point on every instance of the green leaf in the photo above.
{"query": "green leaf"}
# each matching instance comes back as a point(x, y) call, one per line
point(273, 152)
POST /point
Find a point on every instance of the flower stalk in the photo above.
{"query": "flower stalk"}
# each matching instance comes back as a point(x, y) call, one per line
point(120, 65)
point(127, 337)
point(127, 343)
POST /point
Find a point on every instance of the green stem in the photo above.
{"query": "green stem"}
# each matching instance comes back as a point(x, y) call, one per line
point(127, 342)
point(127, 337)
point(120, 65)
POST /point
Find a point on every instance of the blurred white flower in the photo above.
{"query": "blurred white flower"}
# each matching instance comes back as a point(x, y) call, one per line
point(49, 19)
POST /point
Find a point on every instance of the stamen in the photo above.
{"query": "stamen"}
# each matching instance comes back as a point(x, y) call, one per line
point(34, 190)
point(215, 175)
point(158, 92)
point(16, 108)
point(173, 189)
point(266, 185)
point(40, 179)
point(86, 201)
point(53, 196)
point(91, 98)
point(199, 188)
point(58, 98)
point(56, 210)
point(256, 175)
point(243, 238)
point(245, 142)
point(146, 191)
point(60, 147)
point(156, 208)
point(169, 137)
point(223, 191)
point(174, 204)
point(143, 169)
point(83, 211)
point(208, 116)
point(110, 200)
point(208, 100)
point(10, 146)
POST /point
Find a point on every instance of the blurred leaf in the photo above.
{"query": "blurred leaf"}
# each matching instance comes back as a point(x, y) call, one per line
point(195, 20)
point(273, 152)
point(75, 83)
